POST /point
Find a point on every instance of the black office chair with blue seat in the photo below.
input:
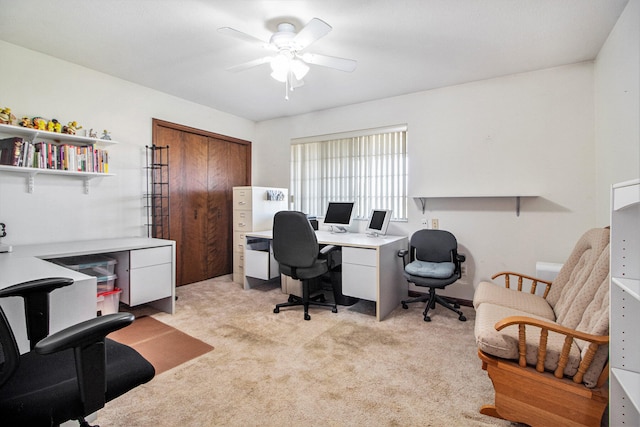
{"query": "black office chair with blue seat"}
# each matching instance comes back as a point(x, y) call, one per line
point(69, 374)
point(296, 249)
point(434, 262)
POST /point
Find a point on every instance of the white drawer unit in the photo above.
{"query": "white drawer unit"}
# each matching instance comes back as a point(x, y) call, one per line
point(145, 275)
point(253, 210)
point(360, 273)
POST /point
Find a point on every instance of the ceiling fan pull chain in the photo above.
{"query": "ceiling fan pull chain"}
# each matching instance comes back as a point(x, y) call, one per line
point(286, 89)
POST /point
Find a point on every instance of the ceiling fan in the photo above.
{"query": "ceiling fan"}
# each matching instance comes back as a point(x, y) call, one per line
point(289, 64)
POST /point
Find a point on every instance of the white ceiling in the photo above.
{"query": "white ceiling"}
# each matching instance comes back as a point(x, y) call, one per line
point(402, 46)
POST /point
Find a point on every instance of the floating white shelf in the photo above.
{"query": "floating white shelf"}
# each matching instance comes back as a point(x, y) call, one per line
point(32, 134)
point(423, 199)
point(32, 172)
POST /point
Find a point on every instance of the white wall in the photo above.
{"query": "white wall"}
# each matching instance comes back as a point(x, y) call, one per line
point(34, 84)
point(529, 133)
point(617, 102)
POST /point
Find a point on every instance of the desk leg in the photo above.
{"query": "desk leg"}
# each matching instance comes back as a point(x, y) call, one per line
point(392, 288)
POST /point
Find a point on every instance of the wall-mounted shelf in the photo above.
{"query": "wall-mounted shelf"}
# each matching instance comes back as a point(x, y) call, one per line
point(517, 197)
point(32, 172)
point(32, 134)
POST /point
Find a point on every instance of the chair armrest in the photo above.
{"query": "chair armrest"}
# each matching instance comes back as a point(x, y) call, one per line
point(81, 334)
point(328, 248)
point(570, 335)
point(89, 347)
point(461, 257)
point(45, 285)
point(35, 294)
point(534, 281)
point(402, 253)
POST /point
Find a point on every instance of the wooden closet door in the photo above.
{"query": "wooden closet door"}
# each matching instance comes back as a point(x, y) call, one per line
point(188, 200)
point(204, 168)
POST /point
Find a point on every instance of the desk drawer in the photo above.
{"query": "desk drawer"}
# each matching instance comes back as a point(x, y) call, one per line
point(149, 284)
point(359, 281)
point(151, 256)
point(361, 256)
point(260, 264)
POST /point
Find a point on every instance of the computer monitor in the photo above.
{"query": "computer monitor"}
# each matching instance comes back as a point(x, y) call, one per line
point(378, 222)
point(338, 216)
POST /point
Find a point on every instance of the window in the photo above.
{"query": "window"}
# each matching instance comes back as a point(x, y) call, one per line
point(367, 167)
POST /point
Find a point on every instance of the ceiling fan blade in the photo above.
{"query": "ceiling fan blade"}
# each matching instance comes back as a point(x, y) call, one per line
point(314, 30)
point(244, 37)
point(341, 64)
point(250, 64)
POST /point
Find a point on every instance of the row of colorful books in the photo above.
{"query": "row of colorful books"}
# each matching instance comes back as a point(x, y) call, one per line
point(16, 151)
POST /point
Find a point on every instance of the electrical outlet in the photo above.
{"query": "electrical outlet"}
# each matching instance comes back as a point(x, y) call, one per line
point(424, 221)
point(435, 224)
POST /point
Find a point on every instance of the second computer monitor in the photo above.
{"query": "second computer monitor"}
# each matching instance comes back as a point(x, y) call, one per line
point(338, 216)
point(378, 222)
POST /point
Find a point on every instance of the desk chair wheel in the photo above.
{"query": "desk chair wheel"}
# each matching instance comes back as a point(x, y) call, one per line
point(291, 298)
point(462, 318)
point(404, 305)
point(334, 310)
point(277, 310)
point(307, 317)
point(427, 318)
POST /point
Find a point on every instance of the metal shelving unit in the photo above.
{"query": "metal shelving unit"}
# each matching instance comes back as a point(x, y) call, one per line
point(157, 196)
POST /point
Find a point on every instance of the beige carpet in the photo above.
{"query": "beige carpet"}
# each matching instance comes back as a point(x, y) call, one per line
point(341, 369)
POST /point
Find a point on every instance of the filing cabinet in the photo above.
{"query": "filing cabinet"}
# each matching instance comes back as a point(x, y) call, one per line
point(253, 210)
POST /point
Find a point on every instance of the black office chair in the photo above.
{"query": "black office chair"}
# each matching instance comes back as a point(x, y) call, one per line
point(295, 247)
point(69, 374)
point(434, 262)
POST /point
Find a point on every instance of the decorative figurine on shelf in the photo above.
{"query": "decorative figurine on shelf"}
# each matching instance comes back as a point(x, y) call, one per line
point(105, 135)
point(39, 123)
point(6, 117)
point(92, 133)
point(57, 126)
point(51, 126)
point(26, 122)
point(71, 128)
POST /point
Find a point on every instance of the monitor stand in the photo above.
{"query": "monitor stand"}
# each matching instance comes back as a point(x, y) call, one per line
point(373, 234)
point(338, 229)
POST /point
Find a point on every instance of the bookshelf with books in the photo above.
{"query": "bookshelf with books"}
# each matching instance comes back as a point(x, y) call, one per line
point(32, 151)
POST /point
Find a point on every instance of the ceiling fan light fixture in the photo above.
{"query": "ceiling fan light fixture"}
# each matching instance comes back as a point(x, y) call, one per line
point(282, 65)
point(299, 68)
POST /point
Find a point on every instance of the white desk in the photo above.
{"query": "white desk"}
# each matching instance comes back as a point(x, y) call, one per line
point(371, 268)
point(76, 303)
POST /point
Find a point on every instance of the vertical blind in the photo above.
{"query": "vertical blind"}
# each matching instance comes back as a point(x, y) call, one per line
point(370, 170)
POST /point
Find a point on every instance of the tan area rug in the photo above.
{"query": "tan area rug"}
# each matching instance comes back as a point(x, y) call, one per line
point(162, 345)
point(338, 369)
